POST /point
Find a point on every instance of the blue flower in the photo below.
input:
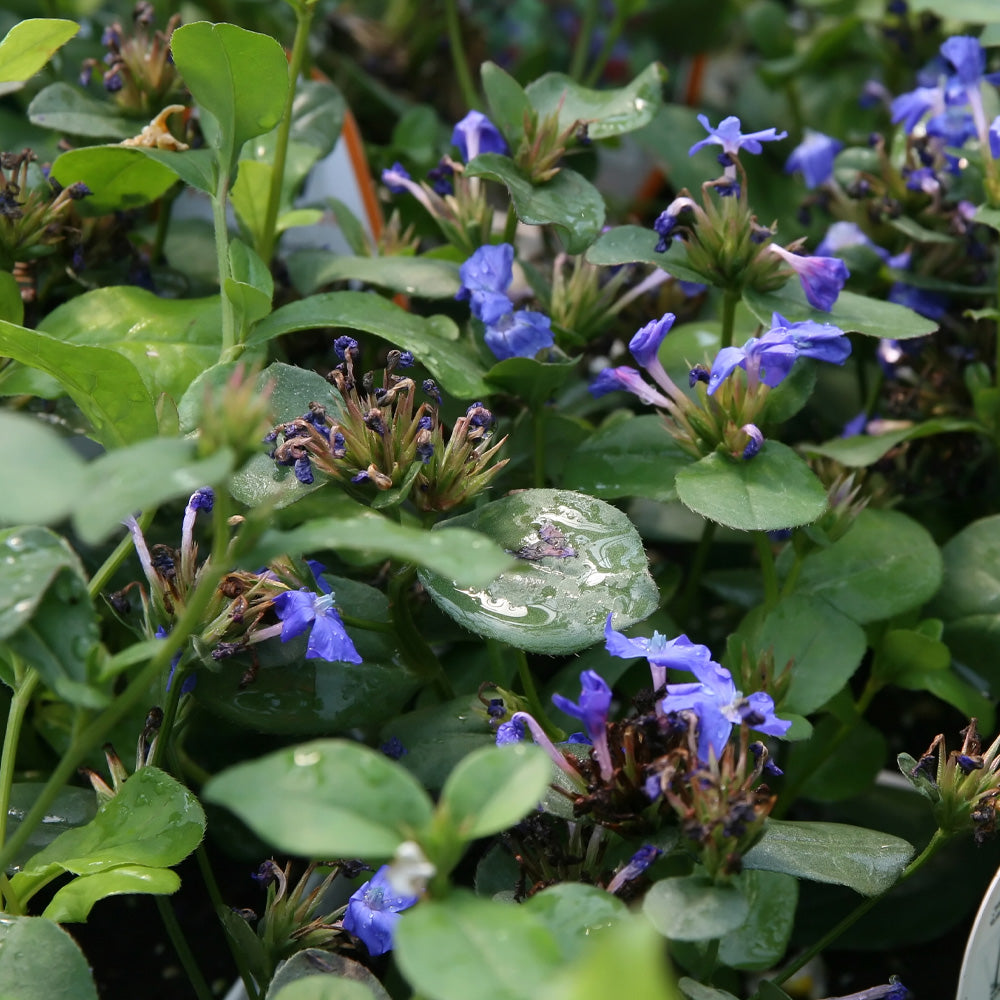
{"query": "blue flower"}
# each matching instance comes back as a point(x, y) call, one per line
point(907, 109)
point(754, 443)
point(843, 235)
point(731, 139)
point(822, 278)
point(476, 134)
point(719, 706)
point(626, 379)
point(486, 275)
point(666, 221)
point(592, 710)
point(966, 57)
point(397, 179)
point(520, 334)
point(328, 639)
point(814, 158)
point(512, 731)
point(373, 912)
point(646, 343)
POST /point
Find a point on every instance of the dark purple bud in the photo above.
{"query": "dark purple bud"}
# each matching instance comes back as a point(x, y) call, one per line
point(424, 424)
point(267, 873)
point(303, 470)
point(163, 562)
point(698, 374)
point(86, 73)
point(361, 477)
point(113, 81)
point(111, 37)
point(338, 446)
point(496, 708)
point(393, 748)
point(343, 345)
point(203, 499)
point(967, 763)
point(405, 359)
point(425, 451)
point(430, 387)
point(226, 649)
point(373, 421)
point(79, 190)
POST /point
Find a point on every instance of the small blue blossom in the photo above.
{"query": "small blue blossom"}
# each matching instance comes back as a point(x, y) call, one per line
point(646, 343)
point(520, 334)
point(373, 912)
point(907, 109)
point(345, 345)
point(397, 178)
point(731, 139)
point(822, 278)
point(626, 379)
point(592, 709)
point(393, 748)
point(844, 235)
point(719, 706)
point(476, 134)
point(300, 610)
point(486, 276)
point(666, 221)
point(512, 731)
point(637, 864)
point(814, 157)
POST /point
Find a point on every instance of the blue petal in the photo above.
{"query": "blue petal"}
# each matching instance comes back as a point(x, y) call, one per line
point(329, 640)
point(297, 610)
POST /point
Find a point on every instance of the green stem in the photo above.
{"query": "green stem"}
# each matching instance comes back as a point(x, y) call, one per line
point(510, 225)
point(610, 38)
point(417, 652)
point(208, 877)
point(914, 866)
point(95, 732)
point(583, 40)
point(538, 419)
point(184, 953)
point(303, 21)
point(729, 302)
point(768, 570)
point(686, 601)
point(535, 705)
point(24, 688)
point(469, 95)
point(229, 348)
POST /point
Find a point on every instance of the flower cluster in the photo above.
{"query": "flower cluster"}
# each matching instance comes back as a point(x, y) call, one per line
point(140, 72)
point(672, 762)
point(378, 436)
point(725, 242)
point(510, 333)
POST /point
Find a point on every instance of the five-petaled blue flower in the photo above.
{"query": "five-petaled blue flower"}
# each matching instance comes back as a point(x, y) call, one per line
point(592, 710)
point(373, 912)
point(813, 157)
point(328, 639)
point(486, 275)
point(476, 134)
point(720, 706)
point(520, 334)
point(731, 139)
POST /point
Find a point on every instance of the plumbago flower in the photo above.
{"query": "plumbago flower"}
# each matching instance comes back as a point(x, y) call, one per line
point(373, 912)
point(822, 278)
point(769, 358)
point(302, 610)
point(813, 158)
point(476, 134)
point(486, 276)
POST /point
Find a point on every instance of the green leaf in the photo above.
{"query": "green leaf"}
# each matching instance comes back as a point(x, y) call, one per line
point(866, 449)
point(196, 167)
point(73, 902)
point(634, 457)
point(106, 386)
point(238, 77)
point(830, 768)
point(28, 46)
point(550, 604)
point(867, 861)
point(626, 959)
point(569, 202)
point(153, 821)
point(425, 277)
point(605, 112)
point(773, 490)
point(635, 244)
point(327, 799)
point(73, 807)
point(168, 341)
point(11, 304)
point(318, 969)
point(250, 195)
point(34, 491)
point(32, 560)
point(967, 11)
point(447, 949)
point(121, 177)
point(433, 340)
point(40, 961)
point(693, 908)
point(760, 941)
point(492, 789)
point(507, 100)
point(853, 313)
point(119, 483)
point(824, 646)
point(324, 987)
point(533, 381)
point(694, 990)
point(466, 556)
point(576, 914)
point(885, 565)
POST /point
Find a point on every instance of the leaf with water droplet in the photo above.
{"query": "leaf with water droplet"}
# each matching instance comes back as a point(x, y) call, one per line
point(553, 604)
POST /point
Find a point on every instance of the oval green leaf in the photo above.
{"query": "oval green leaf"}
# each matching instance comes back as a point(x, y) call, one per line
point(867, 861)
point(493, 788)
point(761, 940)
point(121, 177)
point(421, 276)
point(325, 799)
point(39, 961)
point(28, 46)
point(73, 902)
point(576, 914)
point(775, 489)
point(546, 603)
point(694, 908)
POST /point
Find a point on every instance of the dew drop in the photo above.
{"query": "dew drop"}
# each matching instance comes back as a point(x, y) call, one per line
point(306, 758)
